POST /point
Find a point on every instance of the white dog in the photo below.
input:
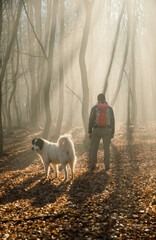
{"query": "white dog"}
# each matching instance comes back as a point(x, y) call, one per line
point(62, 152)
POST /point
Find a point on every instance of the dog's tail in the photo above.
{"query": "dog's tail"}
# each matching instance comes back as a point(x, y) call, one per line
point(65, 141)
point(66, 144)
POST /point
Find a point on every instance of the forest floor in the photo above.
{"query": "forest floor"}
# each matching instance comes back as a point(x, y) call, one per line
point(117, 204)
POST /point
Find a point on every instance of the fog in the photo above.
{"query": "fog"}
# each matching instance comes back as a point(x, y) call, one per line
point(57, 56)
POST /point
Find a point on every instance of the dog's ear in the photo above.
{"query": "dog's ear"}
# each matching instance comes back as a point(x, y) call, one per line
point(33, 141)
point(40, 143)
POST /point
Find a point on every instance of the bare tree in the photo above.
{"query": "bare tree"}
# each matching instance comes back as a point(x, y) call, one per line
point(28, 91)
point(71, 68)
point(85, 88)
point(17, 112)
point(6, 59)
point(40, 61)
point(1, 33)
point(132, 39)
point(1, 128)
point(61, 71)
point(32, 62)
point(131, 110)
point(121, 73)
point(12, 98)
point(113, 50)
point(50, 70)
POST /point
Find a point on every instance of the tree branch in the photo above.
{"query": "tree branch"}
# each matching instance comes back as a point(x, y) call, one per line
point(74, 93)
point(34, 31)
point(28, 54)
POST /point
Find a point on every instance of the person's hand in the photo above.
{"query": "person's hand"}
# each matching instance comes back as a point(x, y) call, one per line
point(90, 135)
point(112, 136)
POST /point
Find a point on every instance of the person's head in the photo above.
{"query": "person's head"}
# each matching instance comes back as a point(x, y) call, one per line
point(101, 98)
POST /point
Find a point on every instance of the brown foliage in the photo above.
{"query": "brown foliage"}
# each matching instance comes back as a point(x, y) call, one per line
point(118, 204)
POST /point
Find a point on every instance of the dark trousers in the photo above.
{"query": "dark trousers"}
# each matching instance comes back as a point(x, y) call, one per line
point(97, 135)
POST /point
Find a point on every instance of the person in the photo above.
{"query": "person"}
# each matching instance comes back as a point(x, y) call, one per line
point(101, 126)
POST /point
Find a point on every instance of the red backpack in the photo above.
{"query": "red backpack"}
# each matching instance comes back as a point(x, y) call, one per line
point(101, 119)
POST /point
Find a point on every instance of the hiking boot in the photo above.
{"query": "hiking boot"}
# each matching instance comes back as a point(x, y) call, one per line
point(107, 168)
point(91, 169)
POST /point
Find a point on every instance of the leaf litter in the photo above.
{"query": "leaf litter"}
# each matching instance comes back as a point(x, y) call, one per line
point(118, 204)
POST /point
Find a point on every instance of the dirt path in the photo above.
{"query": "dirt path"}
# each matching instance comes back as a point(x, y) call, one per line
point(118, 204)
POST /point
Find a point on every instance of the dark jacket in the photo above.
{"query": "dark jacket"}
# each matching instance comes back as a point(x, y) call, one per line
point(92, 120)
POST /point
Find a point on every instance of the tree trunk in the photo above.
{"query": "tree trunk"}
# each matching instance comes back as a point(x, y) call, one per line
point(121, 73)
point(50, 69)
point(5, 100)
point(113, 51)
point(61, 72)
point(11, 94)
point(40, 62)
point(1, 128)
point(132, 59)
point(32, 68)
point(6, 58)
point(1, 33)
point(128, 111)
point(69, 121)
point(28, 92)
point(84, 78)
point(12, 99)
point(71, 68)
point(18, 122)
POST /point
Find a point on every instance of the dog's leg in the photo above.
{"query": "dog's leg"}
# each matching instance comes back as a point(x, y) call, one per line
point(46, 169)
point(71, 164)
point(64, 167)
point(55, 169)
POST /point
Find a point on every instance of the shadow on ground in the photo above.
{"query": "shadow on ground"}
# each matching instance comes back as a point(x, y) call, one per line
point(19, 161)
point(88, 185)
point(36, 189)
